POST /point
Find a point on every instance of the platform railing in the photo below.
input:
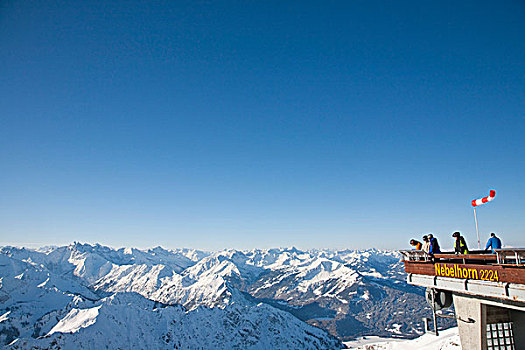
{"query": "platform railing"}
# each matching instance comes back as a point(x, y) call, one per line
point(506, 256)
point(511, 256)
point(415, 255)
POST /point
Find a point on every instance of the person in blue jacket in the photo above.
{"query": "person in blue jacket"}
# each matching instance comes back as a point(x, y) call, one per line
point(434, 245)
point(493, 243)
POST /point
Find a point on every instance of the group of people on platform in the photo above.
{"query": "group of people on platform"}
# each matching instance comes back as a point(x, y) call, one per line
point(430, 244)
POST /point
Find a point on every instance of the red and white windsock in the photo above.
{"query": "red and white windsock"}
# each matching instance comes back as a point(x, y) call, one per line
point(483, 200)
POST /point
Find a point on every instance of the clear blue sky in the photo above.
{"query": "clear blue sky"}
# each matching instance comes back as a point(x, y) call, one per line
point(346, 124)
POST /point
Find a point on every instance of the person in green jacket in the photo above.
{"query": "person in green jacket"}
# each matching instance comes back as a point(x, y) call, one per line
point(461, 244)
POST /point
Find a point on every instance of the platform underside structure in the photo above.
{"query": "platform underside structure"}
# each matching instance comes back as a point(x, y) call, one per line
point(488, 292)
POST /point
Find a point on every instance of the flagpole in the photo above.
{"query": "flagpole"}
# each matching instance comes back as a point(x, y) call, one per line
point(477, 231)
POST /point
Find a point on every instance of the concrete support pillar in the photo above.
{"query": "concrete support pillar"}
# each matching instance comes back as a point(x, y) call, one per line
point(518, 323)
point(471, 316)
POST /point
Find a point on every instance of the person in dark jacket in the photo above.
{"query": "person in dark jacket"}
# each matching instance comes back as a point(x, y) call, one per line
point(434, 245)
point(493, 243)
point(461, 245)
point(416, 244)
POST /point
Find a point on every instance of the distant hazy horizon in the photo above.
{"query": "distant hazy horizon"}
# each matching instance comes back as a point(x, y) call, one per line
point(445, 246)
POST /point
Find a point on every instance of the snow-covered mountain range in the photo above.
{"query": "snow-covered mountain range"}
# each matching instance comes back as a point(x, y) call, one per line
point(91, 296)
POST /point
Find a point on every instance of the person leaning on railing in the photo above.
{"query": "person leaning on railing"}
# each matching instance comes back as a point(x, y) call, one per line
point(493, 243)
point(416, 244)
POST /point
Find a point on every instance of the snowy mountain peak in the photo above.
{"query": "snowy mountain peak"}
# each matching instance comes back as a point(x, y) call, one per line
point(74, 292)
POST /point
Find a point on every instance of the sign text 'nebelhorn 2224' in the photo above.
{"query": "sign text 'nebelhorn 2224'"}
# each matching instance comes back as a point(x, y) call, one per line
point(485, 273)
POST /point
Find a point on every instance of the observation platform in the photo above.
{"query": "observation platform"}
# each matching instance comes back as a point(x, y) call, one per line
point(488, 291)
point(500, 275)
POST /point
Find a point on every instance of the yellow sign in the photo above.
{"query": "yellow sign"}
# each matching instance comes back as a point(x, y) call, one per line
point(467, 272)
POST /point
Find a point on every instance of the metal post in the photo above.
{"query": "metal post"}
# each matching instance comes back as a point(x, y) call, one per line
point(434, 312)
point(477, 231)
